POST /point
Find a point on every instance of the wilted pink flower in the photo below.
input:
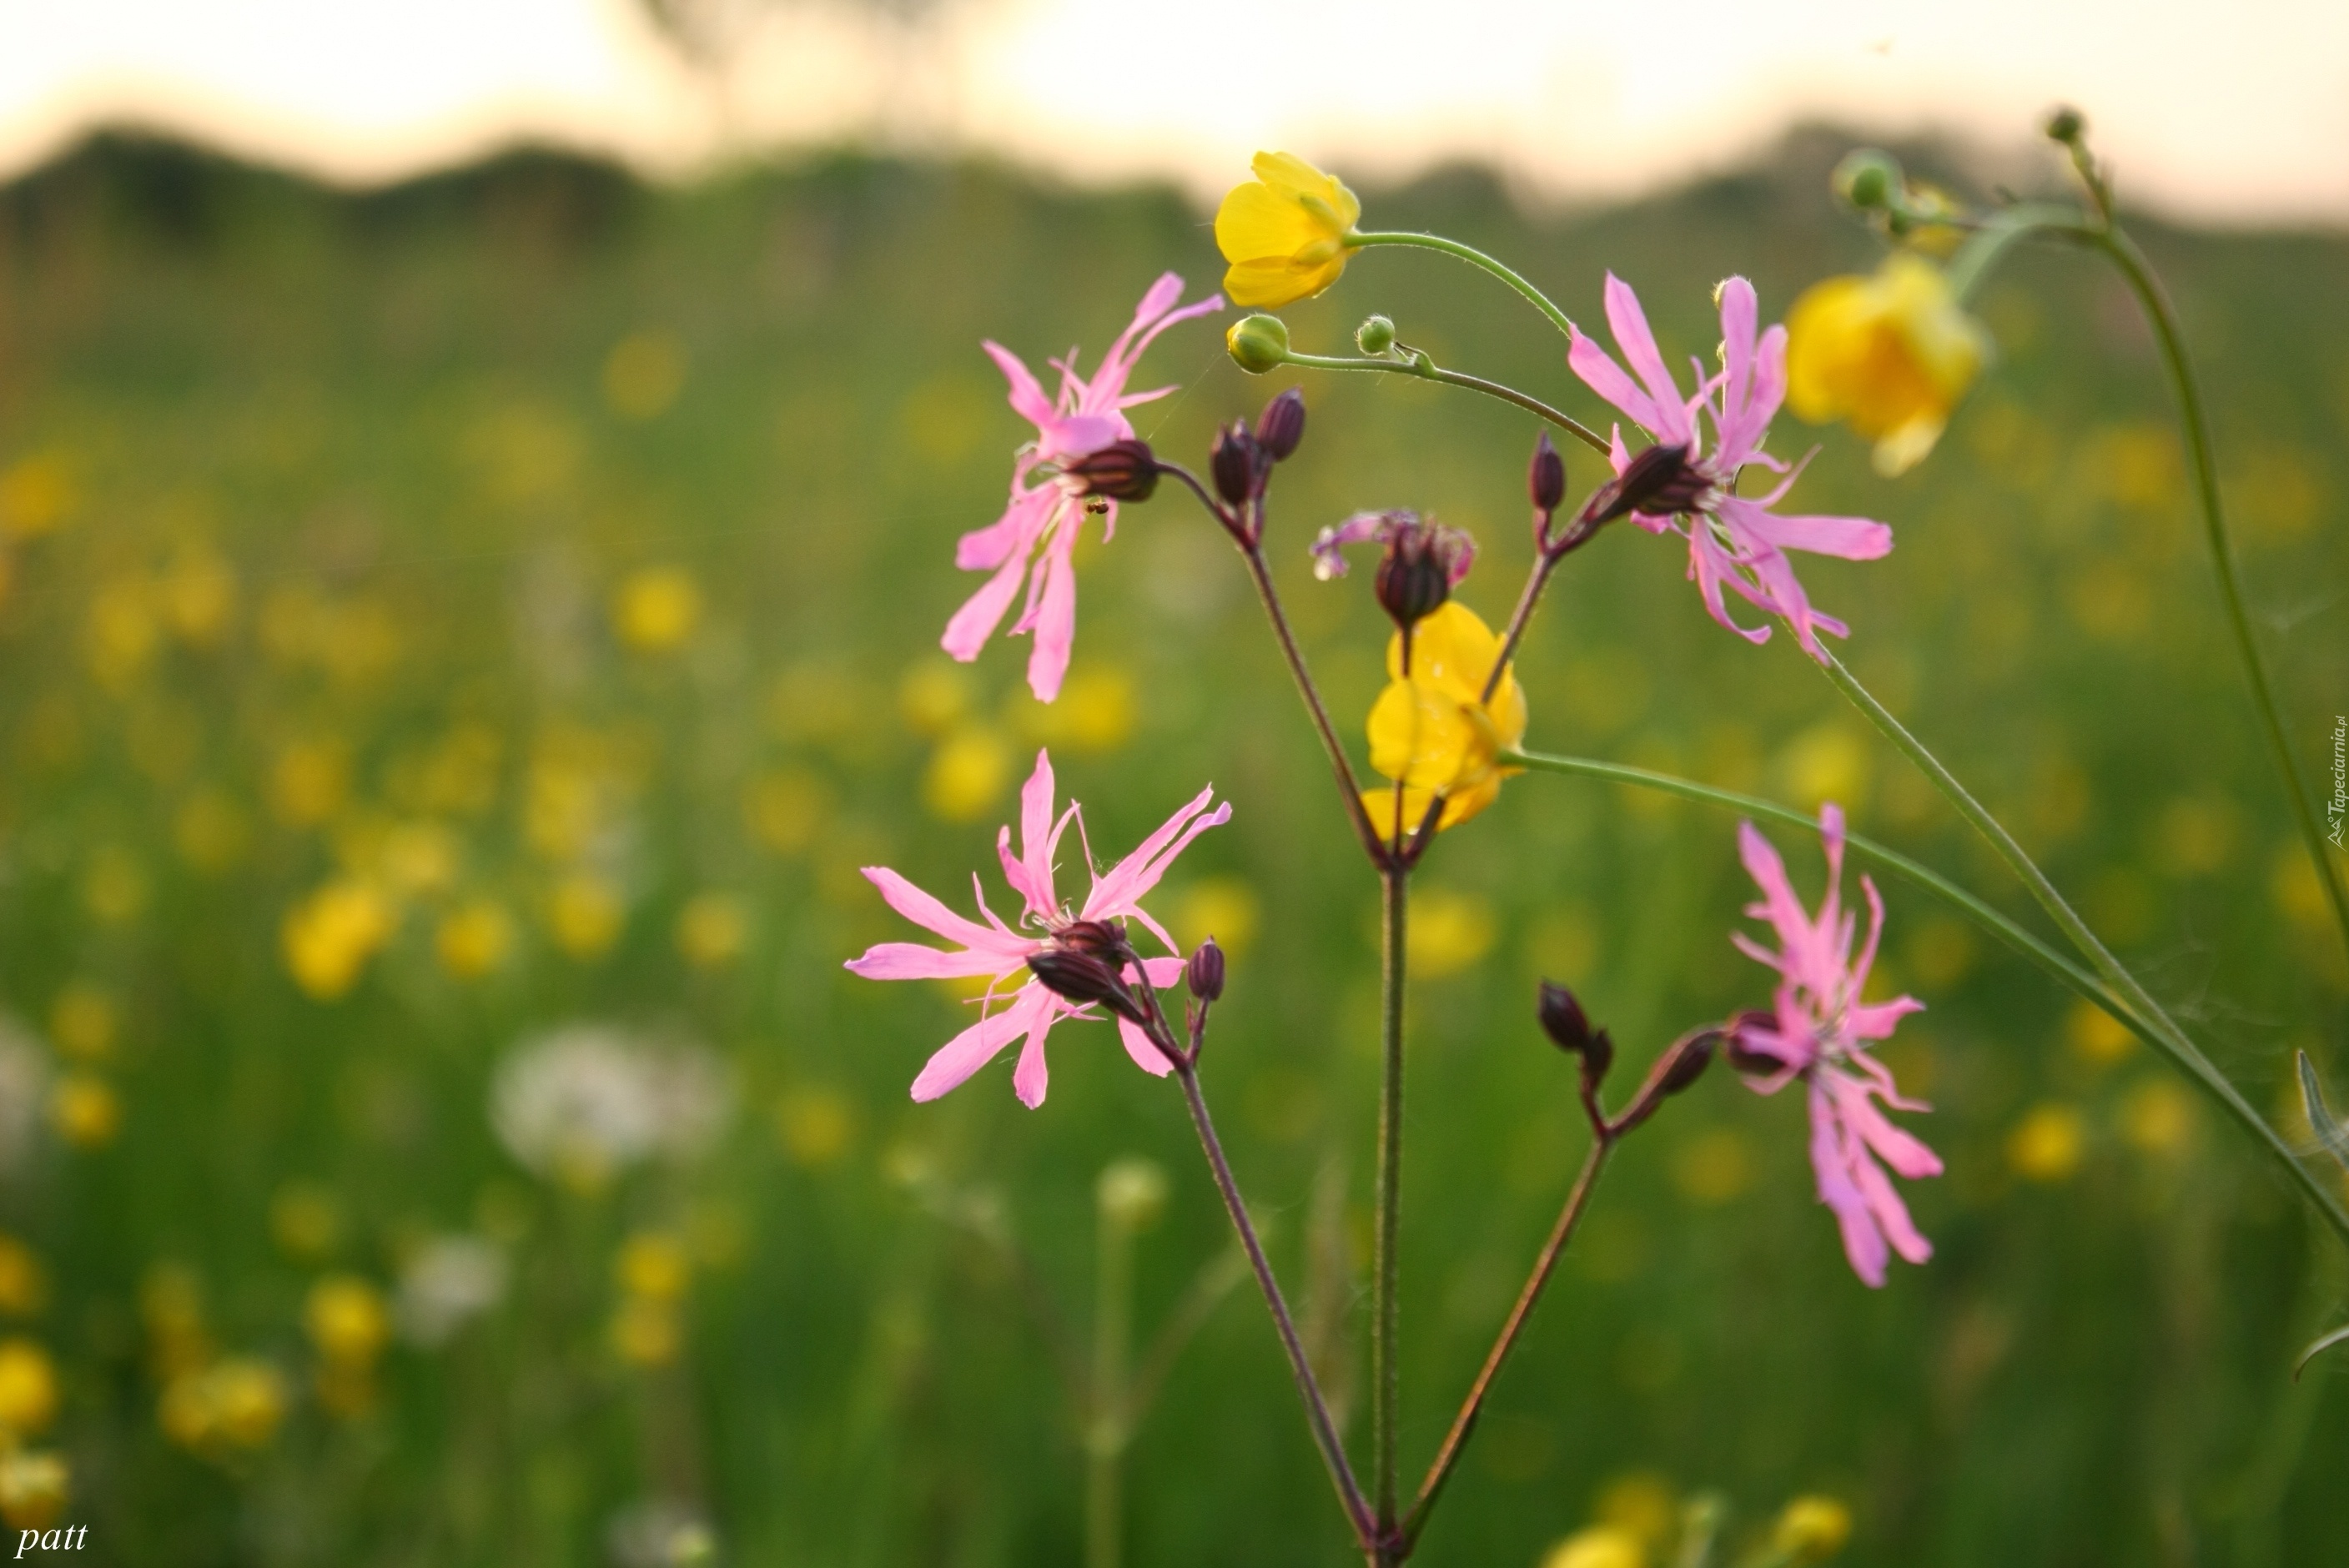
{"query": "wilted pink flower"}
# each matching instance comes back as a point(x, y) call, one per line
point(1733, 541)
point(1001, 952)
point(1820, 1033)
point(1036, 537)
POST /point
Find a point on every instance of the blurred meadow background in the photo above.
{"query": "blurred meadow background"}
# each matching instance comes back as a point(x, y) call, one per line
point(462, 640)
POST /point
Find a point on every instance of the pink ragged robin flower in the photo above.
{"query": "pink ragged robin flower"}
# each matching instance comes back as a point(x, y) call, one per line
point(1734, 542)
point(1818, 1032)
point(1018, 1004)
point(1035, 540)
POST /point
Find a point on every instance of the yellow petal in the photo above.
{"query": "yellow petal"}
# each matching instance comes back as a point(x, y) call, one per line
point(1257, 223)
point(1267, 285)
point(1293, 177)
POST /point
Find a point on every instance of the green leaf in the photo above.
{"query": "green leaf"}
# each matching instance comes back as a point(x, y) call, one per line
point(2329, 1131)
point(2322, 1346)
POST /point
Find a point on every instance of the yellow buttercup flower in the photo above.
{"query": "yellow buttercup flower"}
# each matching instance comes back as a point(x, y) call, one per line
point(1284, 232)
point(1889, 355)
point(345, 1319)
point(1432, 733)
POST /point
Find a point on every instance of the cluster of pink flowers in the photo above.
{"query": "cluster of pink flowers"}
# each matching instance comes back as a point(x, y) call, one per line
point(1819, 1030)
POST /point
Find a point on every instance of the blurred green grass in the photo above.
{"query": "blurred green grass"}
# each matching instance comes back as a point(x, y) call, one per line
point(549, 568)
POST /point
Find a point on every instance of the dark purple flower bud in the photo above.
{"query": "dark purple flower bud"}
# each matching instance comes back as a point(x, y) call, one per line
point(1568, 1028)
point(1104, 939)
point(1545, 476)
point(1414, 580)
point(1282, 424)
point(1659, 483)
point(1205, 973)
point(1239, 465)
point(1078, 977)
point(1123, 470)
point(1686, 1062)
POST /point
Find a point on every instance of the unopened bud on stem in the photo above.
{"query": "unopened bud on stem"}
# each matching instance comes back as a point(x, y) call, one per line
point(1414, 578)
point(1237, 465)
point(2065, 124)
point(1568, 1028)
point(1205, 973)
point(1282, 426)
point(1867, 178)
point(1545, 476)
point(1257, 343)
point(1375, 335)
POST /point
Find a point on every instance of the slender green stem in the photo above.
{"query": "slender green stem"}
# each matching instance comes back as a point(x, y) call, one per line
point(2155, 302)
point(1385, 1374)
point(2166, 1036)
point(2063, 969)
point(1455, 1442)
point(1475, 258)
point(1987, 245)
point(1421, 367)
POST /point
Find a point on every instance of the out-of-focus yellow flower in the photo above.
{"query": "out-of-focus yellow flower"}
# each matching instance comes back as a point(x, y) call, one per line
point(1641, 1503)
point(786, 808)
point(29, 1388)
point(816, 1125)
point(345, 1317)
point(2096, 1034)
point(657, 609)
point(652, 1266)
point(35, 1487)
point(966, 773)
point(1096, 712)
point(305, 1221)
point(416, 857)
point(211, 831)
point(2158, 1118)
point(172, 1302)
point(644, 1333)
point(121, 632)
point(473, 938)
point(237, 1402)
point(329, 936)
point(2047, 1144)
point(23, 1283)
point(933, 695)
point(198, 594)
point(1226, 907)
point(1714, 1167)
point(1889, 355)
point(309, 781)
point(82, 1021)
point(1449, 932)
point(1827, 762)
point(1601, 1546)
point(1284, 232)
point(711, 930)
point(1432, 733)
point(37, 494)
point(1811, 1528)
point(85, 1112)
point(113, 885)
point(643, 373)
point(585, 913)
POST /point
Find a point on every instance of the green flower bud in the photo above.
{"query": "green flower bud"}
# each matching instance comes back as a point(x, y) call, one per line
point(1375, 335)
point(1867, 178)
point(1257, 343)
point(2065, 124)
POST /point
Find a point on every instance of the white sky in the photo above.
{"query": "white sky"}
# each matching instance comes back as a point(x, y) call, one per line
point(2248, 120)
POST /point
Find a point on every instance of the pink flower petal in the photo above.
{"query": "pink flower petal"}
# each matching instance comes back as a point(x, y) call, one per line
point(1863, 1242)
point(1055, 619)
point(1115, 895)
point(1142, 1050)
point(953, 1063)
point(968, 631)
point(912, 961)
point(927, 913)
point(1630, 325)
point(1027, 399)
